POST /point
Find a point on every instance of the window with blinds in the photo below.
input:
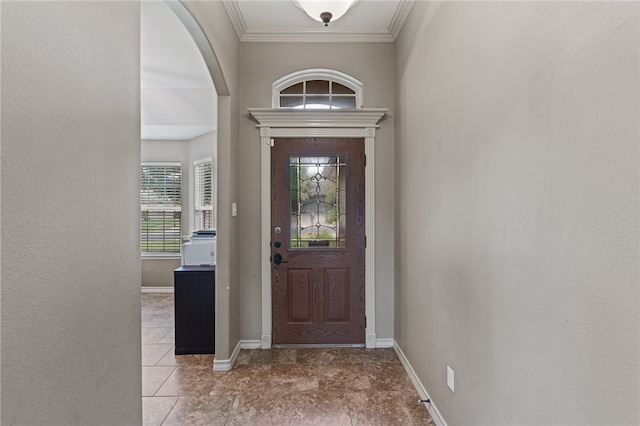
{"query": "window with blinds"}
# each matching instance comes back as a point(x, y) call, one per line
point(160, 207)
point(203, 194)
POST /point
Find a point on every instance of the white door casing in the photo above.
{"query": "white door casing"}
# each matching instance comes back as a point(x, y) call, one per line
point(290, 123)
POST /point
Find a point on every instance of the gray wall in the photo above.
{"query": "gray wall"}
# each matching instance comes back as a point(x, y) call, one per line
point(70, 249)
point(260, 65)
point(517, 214)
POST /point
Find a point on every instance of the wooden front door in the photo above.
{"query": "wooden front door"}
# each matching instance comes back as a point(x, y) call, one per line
point(318, 241)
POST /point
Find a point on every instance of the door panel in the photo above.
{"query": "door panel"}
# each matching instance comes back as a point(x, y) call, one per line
point(317, 241)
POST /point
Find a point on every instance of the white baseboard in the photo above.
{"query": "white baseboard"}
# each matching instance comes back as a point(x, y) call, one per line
point(227, 364)
point(384, 343)
point(250, 344)
point(431, 407)
point(157, 289)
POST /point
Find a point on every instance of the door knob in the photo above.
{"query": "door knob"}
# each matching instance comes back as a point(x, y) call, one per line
point(277, 259)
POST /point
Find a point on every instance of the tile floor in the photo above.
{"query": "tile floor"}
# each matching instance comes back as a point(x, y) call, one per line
point(325, 386)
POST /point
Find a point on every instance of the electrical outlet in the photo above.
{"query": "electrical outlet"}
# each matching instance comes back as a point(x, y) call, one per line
point(450, 378)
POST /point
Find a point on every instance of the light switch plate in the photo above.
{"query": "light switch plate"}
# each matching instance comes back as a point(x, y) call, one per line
point(450, 378)
point(234, 209)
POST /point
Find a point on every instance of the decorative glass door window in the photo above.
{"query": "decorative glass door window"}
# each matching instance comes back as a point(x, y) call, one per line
point(318, 201)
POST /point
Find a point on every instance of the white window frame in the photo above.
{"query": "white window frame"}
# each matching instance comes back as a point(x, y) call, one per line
point(316, 74)
point(198, 223)
point(175, 209)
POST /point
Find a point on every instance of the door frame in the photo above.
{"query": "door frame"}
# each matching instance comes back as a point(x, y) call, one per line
point(291, 123)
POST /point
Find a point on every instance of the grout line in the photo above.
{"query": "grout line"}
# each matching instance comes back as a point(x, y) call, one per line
point(233, 401)
point(170, 411)
point(165, 380)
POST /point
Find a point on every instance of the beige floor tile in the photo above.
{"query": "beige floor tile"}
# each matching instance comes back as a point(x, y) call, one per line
point(200, 410)
point(151, 354)
point(187, 360)
point(153, 378)
point(155, 410)
point(170, 337)
point(152, 335)
point(189, 381)
point(154, 318)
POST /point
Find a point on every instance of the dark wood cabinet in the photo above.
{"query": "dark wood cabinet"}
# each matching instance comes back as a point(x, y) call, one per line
point(195, 309)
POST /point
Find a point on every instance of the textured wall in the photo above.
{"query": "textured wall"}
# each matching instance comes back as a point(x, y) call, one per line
point(262, 64)
point(517, 220)
point(70, 208)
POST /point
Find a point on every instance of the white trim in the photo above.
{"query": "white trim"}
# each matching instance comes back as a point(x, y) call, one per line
point(384, 343)
point(160, 164)
point(316, 36)
point(227, 364)
point(147, 255)
point(319, 35)
point(283, 119)
point(157, 289)
point(236, 17)
point(422, 392)
point(250, 344)
point(315, 74)
point(400, 15)
point(274, 122)
point(202, 161)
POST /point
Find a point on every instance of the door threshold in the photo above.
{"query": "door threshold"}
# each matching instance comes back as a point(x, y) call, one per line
point(318, 345)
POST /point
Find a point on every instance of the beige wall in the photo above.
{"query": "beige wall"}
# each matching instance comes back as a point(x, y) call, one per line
point(216, 25)
point(260, 65)
point(70, 246)
point(517, 214)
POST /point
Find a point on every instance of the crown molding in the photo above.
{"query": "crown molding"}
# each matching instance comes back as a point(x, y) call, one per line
point(317, 36)
point(235, 14)
point(401, 14)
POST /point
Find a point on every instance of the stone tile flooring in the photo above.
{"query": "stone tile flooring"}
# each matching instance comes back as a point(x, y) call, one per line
point(324, 386)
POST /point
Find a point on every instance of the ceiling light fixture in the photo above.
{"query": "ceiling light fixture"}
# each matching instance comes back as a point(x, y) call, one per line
point(325, 10)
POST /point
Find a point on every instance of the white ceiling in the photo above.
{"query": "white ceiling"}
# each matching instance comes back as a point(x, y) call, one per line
point(178, 99)
point(282, 20)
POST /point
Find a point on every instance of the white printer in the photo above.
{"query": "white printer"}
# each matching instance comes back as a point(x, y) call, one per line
point(200, 250)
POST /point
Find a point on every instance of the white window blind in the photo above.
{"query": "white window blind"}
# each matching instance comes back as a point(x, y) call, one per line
point(160, 207)
point(203, 194)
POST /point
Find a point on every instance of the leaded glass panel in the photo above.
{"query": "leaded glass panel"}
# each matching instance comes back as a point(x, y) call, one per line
point(318, 201)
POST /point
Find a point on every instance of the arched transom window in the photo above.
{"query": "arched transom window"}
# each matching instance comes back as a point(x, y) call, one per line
point(317, 89)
